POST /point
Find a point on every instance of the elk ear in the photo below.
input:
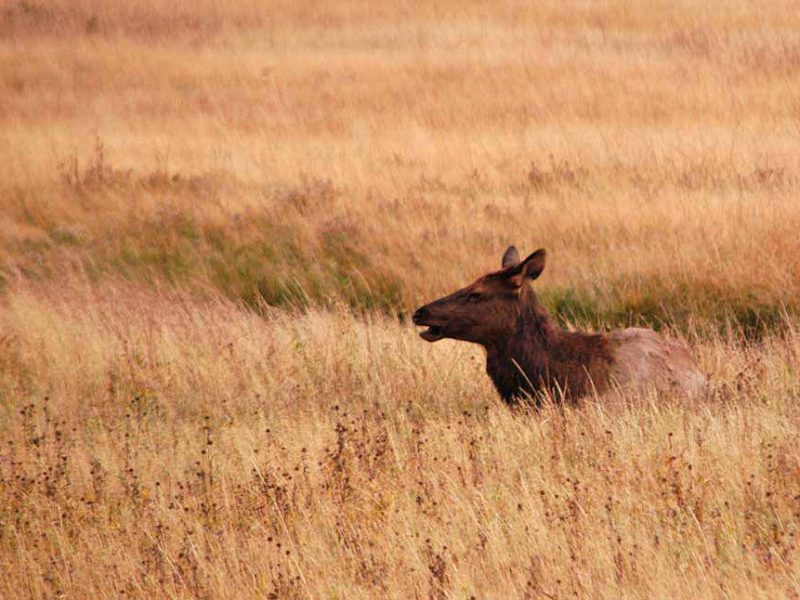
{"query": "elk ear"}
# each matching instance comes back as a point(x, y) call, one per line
point(530, 268)
point(511, 257)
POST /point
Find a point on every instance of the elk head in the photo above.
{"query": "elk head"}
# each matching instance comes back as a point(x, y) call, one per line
point(486, 311)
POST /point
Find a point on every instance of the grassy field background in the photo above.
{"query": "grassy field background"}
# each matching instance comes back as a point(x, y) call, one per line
point(214, 218)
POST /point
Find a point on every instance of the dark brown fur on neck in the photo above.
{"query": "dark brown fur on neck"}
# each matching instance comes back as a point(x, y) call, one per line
point(538, 356)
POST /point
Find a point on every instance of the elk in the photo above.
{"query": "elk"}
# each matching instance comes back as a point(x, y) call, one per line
point(528, 355)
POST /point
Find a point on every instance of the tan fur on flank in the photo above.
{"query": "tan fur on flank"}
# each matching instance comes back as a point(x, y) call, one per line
point(642, 358)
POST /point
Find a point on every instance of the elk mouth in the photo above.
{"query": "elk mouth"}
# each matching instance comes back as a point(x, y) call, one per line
point(432, 334)
point(423, 318)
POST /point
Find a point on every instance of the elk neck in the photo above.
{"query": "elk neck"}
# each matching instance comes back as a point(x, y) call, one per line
point(526, 346)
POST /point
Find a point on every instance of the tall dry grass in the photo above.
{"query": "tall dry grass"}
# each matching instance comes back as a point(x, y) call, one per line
point(212, 213)
point(161, 446)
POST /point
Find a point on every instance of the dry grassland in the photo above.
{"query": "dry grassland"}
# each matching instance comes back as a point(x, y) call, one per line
point(212, 215)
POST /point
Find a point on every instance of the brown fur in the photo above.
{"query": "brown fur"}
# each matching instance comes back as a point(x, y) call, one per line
point(527, 353)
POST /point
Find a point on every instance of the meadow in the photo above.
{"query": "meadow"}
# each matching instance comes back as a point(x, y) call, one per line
point(216, 217)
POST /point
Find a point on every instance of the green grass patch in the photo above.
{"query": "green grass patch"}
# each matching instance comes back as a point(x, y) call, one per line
point(652, 303)
point(261, 259)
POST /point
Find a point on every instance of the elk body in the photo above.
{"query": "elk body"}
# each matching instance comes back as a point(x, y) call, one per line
point(527, 353)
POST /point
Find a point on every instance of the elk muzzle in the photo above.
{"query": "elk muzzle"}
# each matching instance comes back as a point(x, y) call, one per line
point(434, 331)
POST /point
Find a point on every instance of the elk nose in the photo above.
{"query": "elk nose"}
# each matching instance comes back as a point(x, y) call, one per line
point(418, 315)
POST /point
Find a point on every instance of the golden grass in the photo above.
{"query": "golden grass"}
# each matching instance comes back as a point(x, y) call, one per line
point(175, 176)
point(164, 446)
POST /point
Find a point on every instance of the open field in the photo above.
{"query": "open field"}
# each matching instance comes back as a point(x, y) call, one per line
point(214, 219)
